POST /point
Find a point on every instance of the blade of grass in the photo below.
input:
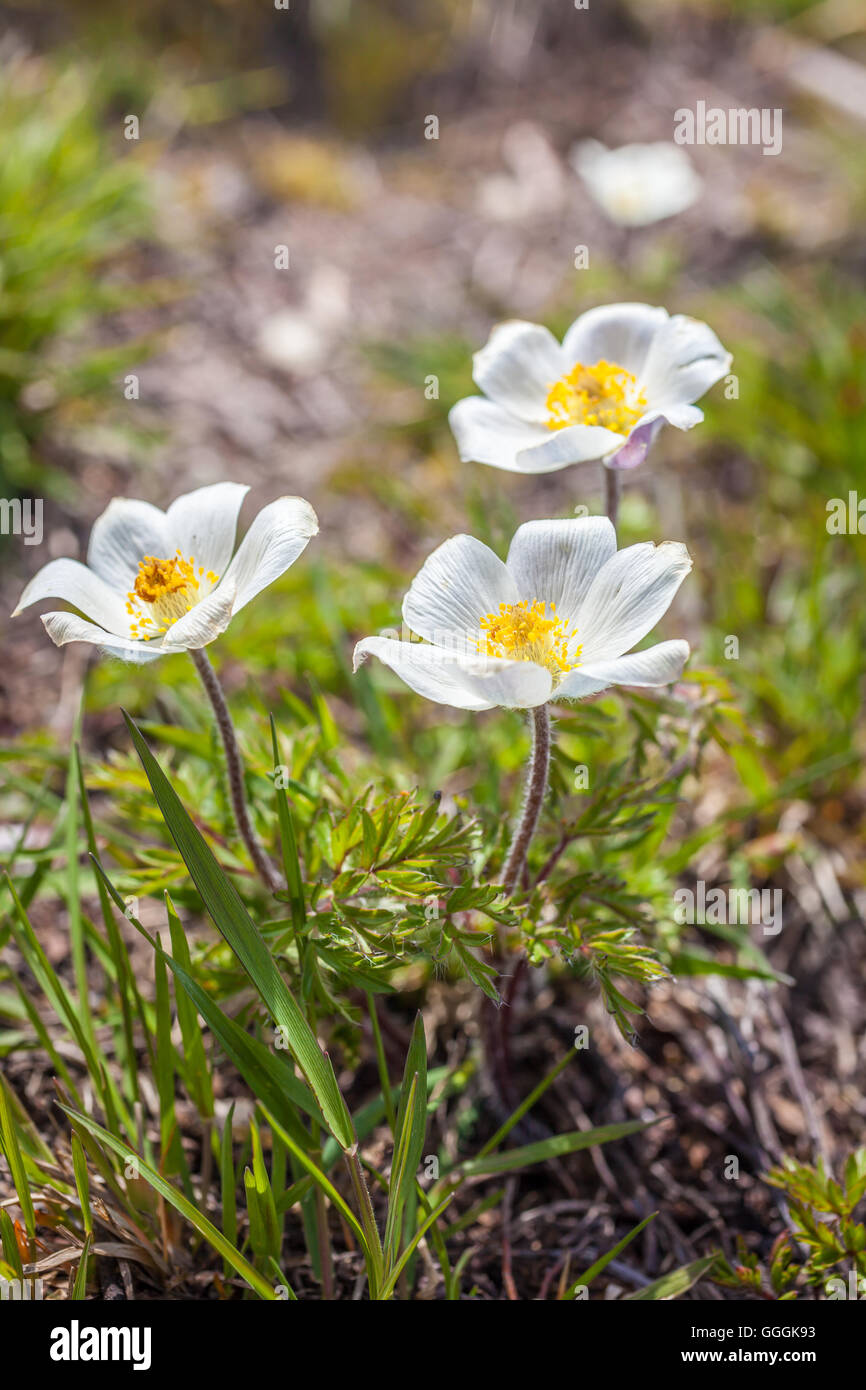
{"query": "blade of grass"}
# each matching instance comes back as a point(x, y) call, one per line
point(15, 1159)
point(673, 1284)
point(585, 1279)
point(79, 1287)
point(180, 1203)
point(557, 1146)
point(224, 905)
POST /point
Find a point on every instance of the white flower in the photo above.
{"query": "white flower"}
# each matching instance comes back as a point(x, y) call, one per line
point(621, 372)
point(638, 184)
point(552, 622)
point(158, 582)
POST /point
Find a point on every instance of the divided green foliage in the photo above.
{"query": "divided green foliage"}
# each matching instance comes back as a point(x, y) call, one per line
point(826, 1245)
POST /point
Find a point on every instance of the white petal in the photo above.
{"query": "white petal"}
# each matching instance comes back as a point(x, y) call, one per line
point(458, 585)
point(204, 622)
point(638, 184)
point(486, 433)
point(627, 598)
point(685, 360)
point(78, 585)
point(126, 532)
point(683, 417)
point(576, 686)
point(202, 524)
point(621, 333)
point(658, 665)
point(517, 367)
point(574, 444)
point(274, 541)
point(557, 560)
point(462, 681)
point(68, 627)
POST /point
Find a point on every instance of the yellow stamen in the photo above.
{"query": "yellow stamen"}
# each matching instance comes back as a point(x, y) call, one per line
point(603, 394)
point(164, 591)
point(524, 632)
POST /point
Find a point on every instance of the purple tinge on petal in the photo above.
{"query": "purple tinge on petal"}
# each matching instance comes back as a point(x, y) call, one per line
point(635, 449)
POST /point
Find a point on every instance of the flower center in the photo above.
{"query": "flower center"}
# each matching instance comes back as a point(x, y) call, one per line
point(603, 394)
point(163, 591)
point(524, 632)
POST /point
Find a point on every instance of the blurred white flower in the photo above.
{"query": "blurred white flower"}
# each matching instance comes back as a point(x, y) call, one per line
point(535, 185)
point(301, 339)
point(552, 622)
point(621, 372)
point(638, 184)
point(158, 582)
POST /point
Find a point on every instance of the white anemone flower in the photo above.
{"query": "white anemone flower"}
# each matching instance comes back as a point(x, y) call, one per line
point(554, 621)
point(637, 185)
point(621, 372)
point(158, 582)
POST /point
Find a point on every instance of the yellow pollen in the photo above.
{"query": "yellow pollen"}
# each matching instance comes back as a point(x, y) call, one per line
point(603, 394)
point(524, 632)
point(164, 591)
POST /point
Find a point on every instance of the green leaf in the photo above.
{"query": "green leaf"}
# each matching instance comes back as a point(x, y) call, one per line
point(265, 1197)
point(180, 1203)
point(15, 1159)
point(82, 1183)
point(269, 1079)
point(556, 1147)
point(411, 1128)
point(223, 903)
point(194, 1059)
point(79, 1287)
point(673, 1284)
point(585, 1279)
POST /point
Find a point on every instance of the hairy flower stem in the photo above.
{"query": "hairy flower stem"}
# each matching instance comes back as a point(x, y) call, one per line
point(235, 769)
point(536, 786)
point(611, 494)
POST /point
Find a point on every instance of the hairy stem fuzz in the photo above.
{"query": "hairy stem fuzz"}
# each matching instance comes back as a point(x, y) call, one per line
point(536, 787)
point(234, 769)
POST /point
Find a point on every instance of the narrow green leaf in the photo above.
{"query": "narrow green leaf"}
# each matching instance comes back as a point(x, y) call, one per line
point(223, 903)
point(428, 1221)
point(9, 1242)
point(318, 1177)
point(585, 1279)
point(194, 1062)
point(673, 1284)
point(411, 1128)
point(15, 1159)
point(270, 1080)
point(82, 1183)
point(79, 1287)
point(556, 1147)
point(180, 1203)
point(265, 1194)
point(227, 1180)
